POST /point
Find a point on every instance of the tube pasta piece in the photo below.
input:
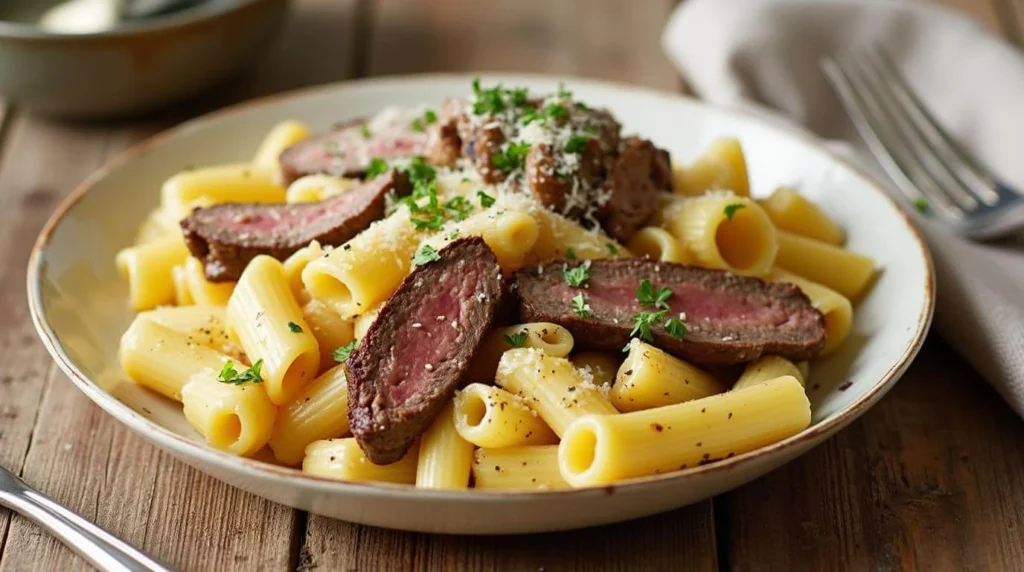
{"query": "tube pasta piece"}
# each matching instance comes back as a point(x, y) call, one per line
point(557, 234)
point(295, 264)
point(846, 272)
point(602, 449)
point(281, 136)
point(651, 378)
point(509, 234)
point(518, 468)
point(488, 416)
point(551, 386)
point(721, 167)
point(366, 270)
point(343, 459)
point(552, 338)
point(836, 308)
point(271, 327)
point(319, 411)
point(330, 330)
point(601, 367)
point(149, 268)
point(182, 292)
point(659, 244)
point(445, 458)
point(163, 360)
point(725, 231)
point(315, 188)
point(235, 183)
point(363, 322)
point(157, 226)
point(768, 368)
point(204, 325)
point(794, 213)
point(202, 291)
point(233, 418)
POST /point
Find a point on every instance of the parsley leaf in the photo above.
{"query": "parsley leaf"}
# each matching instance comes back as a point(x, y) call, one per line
point(365, 132)
point(529, 115)
point(580, 306)
point(647, 295)
point(576, 144)
point(676, 328)
point(921, 204)
point(417, 125)
point(612, 249)
point(295, 328)
point(419, 172)
point(376, 167)
point(425, 255)
point(510, 158)
point(491, 101)
point(556, 111)
point(576, 277)
point(459, 206)
point(642, 322)
point(485, 199)
point(570, 254)
point(731, 209)
point(228, 374)
point(563, 93)
point(341, 354)
point(516, 340)
point(429, 117)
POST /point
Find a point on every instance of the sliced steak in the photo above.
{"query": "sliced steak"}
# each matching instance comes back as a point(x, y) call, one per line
point(226, 237)
point(347, 150)
point(640, 173)
point(417, 352)
point(731, 319)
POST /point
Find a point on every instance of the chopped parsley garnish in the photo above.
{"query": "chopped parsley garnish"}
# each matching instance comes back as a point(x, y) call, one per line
point(429, 117)
point(921, 204)
point(647, 295)
point(295, 328)
point(578, 276)
point(563, 93)
point(365, 132)
point(576, 144)
point(494, 100)
point(417, 125)
point(425, 255)
point(642, 322)
point(516, 340)
point(485, 199)
point(731, 209)
point(612, 249)
point(676, 328)
point(570, 254)
point(556, 111)
point(459, 207)
point(424, 186)
point(341, 354)
point(517, 96)
point(510, 158)
point(419, 172)
point(376, 167)
point(591, 129)
point(530, 115)
point(228, 373)
point(580, 306)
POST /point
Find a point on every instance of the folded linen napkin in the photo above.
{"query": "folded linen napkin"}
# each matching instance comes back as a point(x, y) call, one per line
point(768, 52)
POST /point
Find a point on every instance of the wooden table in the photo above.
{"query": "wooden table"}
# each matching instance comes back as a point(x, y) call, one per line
point(931, 479)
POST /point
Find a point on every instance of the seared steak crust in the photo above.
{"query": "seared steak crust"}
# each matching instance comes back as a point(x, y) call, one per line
point(730, 319)
point(640, 173)
point(226, 237)
point(417, 352)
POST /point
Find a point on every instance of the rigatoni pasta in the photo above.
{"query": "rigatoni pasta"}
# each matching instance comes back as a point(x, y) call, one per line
point(237, 183)
point(148, 269)
point(234, 418)
point(319, 411)
point(343, 459)
point(658, 244)
point(163, 360)
point(792, 212)
point(768, 368)
point(650, 378)
point(488, 416)
point(844, 271)
point(729, 232)
point(518, 468)
point(721, 167)
point(445, 457)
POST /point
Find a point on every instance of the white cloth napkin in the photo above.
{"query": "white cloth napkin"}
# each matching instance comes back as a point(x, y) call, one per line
point(768, 51)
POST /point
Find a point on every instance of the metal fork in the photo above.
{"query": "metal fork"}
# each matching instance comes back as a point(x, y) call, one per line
point(102, 549)
point(935, 174)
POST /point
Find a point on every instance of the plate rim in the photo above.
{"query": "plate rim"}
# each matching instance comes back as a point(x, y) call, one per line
point(188, 449)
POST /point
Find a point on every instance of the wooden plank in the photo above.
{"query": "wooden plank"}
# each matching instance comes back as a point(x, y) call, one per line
point(612, 40)
point(77, 453)
point(932, 478)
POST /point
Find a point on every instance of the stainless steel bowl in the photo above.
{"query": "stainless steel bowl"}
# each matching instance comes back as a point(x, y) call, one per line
point(138, 66)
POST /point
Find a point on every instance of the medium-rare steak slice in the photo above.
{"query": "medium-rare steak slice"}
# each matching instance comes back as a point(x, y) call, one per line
point(729, 318)
point(347, 149)
point(416, 353)
point(226, 237)
point(639, 175)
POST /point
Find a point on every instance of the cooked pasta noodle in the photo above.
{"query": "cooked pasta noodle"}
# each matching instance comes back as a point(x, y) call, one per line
point(295, 264)
point(836, 308)
point(765, 369)
point(237, 183)
point(148, 269)
point(844, 271)
point(445, 457)
point(281, 136)
point(204, 325)
point(343, 459)
point(509, 234)
point(552, 338)
point(330, 330)
point(601, 367)
point(235, 418)
point(315, 188)
point(201, 290)
point(512, 468)
point(794, 213)
point(319, 411)
point(163, 360)
point(659, 244)
point(721, 167)
point(726, 231)
point(649, 378)
point(488, 416)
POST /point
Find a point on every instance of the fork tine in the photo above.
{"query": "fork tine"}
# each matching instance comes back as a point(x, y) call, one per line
point(978, 179)
point(880, 140)
point(917, 144)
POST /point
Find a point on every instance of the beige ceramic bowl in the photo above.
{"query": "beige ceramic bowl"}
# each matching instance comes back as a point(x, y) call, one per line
point(79, 305)
point(136, 67)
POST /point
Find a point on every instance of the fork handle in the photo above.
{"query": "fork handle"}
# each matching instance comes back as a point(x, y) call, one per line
point(102, 549)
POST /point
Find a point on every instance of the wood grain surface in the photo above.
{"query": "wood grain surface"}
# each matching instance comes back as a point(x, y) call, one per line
point(932, 478)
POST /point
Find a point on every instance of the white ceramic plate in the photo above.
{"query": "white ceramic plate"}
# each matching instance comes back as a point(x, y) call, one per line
point(79, 303)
